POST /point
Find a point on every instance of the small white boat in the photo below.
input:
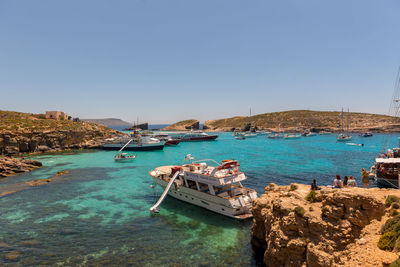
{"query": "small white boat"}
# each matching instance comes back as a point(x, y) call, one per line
point(250, 135)
point(292, 136)
point(343, 138)
point(263, 133)
point(275, 136)
point(310, 134)
point(123, 157)
point(324, 133)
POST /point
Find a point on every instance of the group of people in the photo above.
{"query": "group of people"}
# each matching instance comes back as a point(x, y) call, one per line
point(347, 181)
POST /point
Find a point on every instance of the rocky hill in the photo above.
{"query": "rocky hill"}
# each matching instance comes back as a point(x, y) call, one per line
point(23, 132)
point(183, 125)
point(305, 119)
point(333, 227)
point(110, 122)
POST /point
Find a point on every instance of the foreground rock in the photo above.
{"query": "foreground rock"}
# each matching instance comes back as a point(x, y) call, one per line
point(183, 126)
point(10, 166)
point(338, 227)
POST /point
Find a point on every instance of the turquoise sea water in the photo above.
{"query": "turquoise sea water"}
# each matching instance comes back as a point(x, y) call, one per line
point(99, 213)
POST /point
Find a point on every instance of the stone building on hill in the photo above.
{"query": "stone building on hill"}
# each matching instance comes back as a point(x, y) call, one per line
point(56, 115)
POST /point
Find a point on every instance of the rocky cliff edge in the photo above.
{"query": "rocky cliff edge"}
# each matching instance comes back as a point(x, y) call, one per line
point(334, 227)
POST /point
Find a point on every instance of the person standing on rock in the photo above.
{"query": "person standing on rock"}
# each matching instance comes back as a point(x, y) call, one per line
point(365, 178)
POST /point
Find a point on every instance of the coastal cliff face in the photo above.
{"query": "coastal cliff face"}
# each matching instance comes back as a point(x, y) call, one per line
point(24, 133)
point(22, 142)
point(183, 126)
point(336, 227)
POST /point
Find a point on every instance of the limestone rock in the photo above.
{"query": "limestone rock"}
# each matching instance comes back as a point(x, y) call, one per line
point(330, 231)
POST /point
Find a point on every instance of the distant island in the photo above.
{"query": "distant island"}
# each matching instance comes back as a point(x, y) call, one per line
point(297, 121)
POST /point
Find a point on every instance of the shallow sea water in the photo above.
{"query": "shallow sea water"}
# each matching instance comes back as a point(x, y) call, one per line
point(98, 214)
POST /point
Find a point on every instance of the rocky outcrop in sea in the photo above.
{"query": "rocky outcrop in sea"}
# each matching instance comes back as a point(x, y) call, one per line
point(333, 227)
point(10, 166)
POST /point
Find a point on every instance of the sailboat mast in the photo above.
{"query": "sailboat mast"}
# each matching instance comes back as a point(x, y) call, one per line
point(348, 119)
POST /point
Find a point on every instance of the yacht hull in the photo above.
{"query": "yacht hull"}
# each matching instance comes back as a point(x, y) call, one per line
point(216, 204)
point(145, 147)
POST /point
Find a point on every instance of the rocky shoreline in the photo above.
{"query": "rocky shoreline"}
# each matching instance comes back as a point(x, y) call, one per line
point(11, 166)
point(334, 227)
point(12, 143)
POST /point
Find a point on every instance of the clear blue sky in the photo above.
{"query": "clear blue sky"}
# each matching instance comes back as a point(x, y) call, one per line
point(164, 61)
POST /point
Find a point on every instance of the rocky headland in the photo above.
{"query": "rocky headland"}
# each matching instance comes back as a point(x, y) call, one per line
point(300, 120)
point(329, 227)
point(184, 125)
point(27, 133)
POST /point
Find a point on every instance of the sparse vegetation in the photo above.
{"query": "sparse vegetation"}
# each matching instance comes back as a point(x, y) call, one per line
point(303, 118)
point(312, 196)
point(299, 211)
point(396, 263)
point(394, 212)
point(25, 122)
point(390, 234)
point(293, 187)
point(390, 199)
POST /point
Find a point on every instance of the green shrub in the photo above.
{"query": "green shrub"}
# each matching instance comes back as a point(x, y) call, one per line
point(395, 205)
point(293, 187)
point(390, 199)
point(396, 263)
point(299, 211)
point(390, 238)
point(393, 224)
point(394, 212)
point(312, 196)
point(397, 245)
point(387, 241)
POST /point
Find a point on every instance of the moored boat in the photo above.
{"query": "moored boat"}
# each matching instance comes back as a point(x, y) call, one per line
point(366, 134)
point(123, 157)
point(193, 136)
point(217, 188)
point(275, 136)
point(250, 135)
point(292, 136)
point(386, 169)
point(134, 144)
point(343, 137)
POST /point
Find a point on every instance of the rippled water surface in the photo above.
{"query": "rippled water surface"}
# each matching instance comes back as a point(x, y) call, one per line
point(98, 213)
